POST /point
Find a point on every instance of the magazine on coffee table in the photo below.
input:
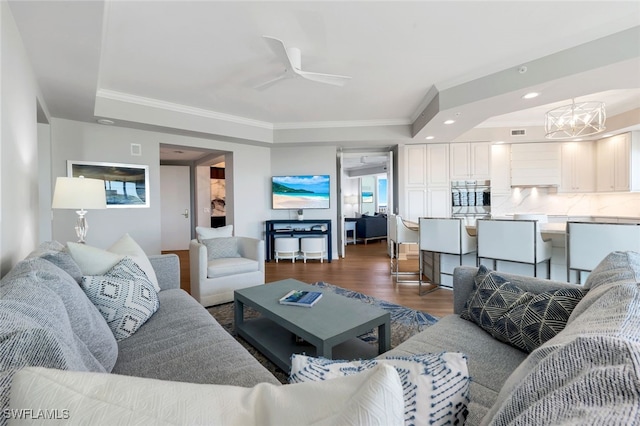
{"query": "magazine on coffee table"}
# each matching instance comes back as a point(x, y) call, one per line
point(301, 298)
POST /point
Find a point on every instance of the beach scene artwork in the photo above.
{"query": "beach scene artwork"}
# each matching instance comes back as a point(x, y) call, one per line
point(300, 192)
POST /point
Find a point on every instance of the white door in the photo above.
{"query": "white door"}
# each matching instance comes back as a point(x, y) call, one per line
point(175, 207)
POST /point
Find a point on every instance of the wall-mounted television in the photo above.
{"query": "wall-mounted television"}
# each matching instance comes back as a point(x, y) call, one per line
point(300, 192)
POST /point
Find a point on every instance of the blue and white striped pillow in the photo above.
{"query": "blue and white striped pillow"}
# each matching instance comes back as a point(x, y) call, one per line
point(435, 386)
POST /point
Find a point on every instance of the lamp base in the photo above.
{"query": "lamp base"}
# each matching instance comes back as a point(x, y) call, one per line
point(82, 226)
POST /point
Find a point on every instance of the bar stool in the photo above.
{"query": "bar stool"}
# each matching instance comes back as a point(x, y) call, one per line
point(312, 248)
point(516, 241)
point(399, 233)
point(443, 236)
point(287, 248)
point(587, 243)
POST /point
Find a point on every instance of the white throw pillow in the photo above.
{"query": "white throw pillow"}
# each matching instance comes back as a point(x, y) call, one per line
point(371, 398)
point(435, 386)
point(124, 296)
point(208, 233)
point(95, 261)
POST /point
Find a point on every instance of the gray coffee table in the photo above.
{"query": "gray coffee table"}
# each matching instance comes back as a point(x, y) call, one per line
point(329, 328)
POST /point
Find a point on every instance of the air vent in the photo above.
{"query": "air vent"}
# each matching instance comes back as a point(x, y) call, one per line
point(518, 132)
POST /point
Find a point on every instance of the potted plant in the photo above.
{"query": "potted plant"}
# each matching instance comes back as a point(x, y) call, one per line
point(300, 215)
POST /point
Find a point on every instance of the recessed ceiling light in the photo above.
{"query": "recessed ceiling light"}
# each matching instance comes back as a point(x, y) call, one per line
point(531, 95)
point(449, 121)
point(105, 121)
point(429, 138)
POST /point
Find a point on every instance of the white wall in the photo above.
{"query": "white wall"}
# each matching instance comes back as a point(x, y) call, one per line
point(19, 221)
point(307, 161)
point(72, 140)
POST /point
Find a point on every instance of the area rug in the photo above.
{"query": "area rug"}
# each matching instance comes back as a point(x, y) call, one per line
point(405, 323)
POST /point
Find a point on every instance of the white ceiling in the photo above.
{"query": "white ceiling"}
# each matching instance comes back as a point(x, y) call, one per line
point(192, 66)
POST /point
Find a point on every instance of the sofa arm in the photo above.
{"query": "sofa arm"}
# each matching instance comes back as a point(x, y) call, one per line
point(462, 286)
point(167, 269)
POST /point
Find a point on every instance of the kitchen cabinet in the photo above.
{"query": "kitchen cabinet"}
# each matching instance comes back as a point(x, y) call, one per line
point(426, 191)
point(617, 167)
point(470, 161)
point(577, 172)
point(500, 169)
point(535, 164)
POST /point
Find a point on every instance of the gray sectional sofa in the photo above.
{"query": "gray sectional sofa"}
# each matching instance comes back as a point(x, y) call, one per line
point(589, 373)
point(46, 320)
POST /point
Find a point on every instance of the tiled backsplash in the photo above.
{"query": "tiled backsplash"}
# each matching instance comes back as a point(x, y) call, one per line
point(540, 200)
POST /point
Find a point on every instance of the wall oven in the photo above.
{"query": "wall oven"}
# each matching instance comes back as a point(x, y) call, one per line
point(471, 199)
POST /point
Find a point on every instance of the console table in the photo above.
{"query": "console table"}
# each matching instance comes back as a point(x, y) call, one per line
point(298, 228)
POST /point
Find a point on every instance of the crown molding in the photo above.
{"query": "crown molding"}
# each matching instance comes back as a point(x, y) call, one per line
point(170, 106)
point(341, 124)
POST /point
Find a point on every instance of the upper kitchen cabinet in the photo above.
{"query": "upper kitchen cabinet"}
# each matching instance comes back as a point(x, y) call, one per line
point(470, 161)
point(617, 163)
point(426, 181)
point(438, 164)
point(578, 167)
point(535, 164)
point(501, 169)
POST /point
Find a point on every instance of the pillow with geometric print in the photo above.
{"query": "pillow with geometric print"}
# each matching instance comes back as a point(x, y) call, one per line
point(124, 296)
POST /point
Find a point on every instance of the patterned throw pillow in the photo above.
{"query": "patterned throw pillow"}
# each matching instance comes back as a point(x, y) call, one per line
point(221, 248)
point(522, 319)
point(124, 296)
point(491, 298)
point(537, 318)
point(435, 386)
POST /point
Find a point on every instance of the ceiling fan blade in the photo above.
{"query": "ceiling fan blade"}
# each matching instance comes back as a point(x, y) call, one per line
point(336, 80)
point(269, 83)
point(280, 50)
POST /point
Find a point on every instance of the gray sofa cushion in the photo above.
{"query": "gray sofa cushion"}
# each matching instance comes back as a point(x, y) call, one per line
point(59, 255)
point(182, 342)
point(489, 361)
point(40, 324)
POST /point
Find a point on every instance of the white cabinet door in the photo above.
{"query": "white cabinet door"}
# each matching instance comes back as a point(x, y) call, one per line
point(416, 165)
point(613, 163)
point(438, 164)
point(480, 160)
point(438, 202)
point(578, 167)
point(460, 161)
point(470, 161)
point(500, 169)
point(416, 199)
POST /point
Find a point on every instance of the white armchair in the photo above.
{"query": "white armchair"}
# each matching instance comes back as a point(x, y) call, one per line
point(214, 276)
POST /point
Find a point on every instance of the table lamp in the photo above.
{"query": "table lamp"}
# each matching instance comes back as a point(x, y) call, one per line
point(79, 193)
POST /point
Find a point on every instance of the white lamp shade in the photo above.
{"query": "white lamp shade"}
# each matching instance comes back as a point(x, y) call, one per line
point(351, 199)
point(79, 193)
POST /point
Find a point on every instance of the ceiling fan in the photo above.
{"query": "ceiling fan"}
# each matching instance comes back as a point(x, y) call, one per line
point(292, 60)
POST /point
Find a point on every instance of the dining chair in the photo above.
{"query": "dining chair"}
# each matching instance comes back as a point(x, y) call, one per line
point(587, 243)
point(442, 236)
point(516, 241)
point(400, 233)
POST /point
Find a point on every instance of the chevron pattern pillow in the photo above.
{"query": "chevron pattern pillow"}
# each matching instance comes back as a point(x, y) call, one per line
point(124, 296)
point(533, 320)
point(520, 318)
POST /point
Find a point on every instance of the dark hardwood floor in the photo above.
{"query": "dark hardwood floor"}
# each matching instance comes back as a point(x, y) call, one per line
point(364, 269)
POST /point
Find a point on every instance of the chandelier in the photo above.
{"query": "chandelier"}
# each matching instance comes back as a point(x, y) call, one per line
point(574, 120)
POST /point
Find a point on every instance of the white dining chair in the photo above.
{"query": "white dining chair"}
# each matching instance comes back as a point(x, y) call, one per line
point(587, 243)
point(442, 236)
point(400, 233)
point(516, 241)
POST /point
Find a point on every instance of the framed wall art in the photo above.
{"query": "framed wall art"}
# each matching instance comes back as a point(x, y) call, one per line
point(126, 185)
